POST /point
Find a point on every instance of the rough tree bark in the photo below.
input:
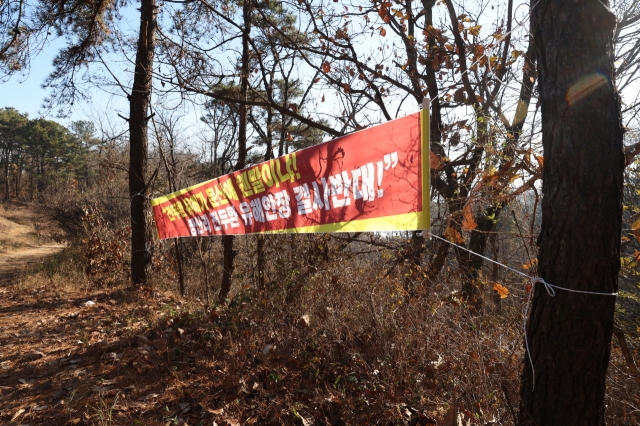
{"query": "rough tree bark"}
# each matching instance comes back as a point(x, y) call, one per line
point(570, 334)
point(227, 241)
point(7, 190)
point(138, 141)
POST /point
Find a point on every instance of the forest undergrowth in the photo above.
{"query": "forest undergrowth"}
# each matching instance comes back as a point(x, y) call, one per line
point(341, 334)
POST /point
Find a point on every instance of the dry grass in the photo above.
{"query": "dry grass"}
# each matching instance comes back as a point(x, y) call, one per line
point(21, 227)
point(337, 337)
point(13, 235)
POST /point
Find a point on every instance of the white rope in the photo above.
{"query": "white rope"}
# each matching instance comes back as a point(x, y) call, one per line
point(147, 248)
point(148, 244)
point(550, 288)
point(138, 194)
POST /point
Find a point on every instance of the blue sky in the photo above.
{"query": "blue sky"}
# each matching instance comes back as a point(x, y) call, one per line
point(25, 93)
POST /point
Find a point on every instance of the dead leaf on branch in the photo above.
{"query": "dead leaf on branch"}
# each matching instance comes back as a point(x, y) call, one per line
point(501, 290)
point(459, 95)
point(475, 30)
point(383, 11)
point(540, 160)
point(341, 34)
point(436, 163)
point(453, 235)
point(468, 223)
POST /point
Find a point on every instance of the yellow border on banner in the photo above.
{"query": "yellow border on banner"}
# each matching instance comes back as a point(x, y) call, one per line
point(425, 130)
point(399, 222)
point(160, 200)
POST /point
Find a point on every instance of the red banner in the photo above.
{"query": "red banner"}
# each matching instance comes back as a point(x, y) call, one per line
point(370, 180)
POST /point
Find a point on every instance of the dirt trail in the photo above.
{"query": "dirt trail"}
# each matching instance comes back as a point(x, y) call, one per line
point(11, 264)
point(74, 355)
point(21, 240)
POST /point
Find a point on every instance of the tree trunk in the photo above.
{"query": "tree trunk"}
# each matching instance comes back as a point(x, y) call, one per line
point(179, 262)
point(138, 142)
point(43, 173)
point(471, 264)
point(7, 159)
point(7, 191)
point(229, 255)
point(228, 252)
point(16, 182)
point(570, 334)
point(260, 261)
point(260, 240)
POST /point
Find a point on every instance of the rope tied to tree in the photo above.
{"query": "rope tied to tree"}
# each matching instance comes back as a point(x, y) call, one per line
point(550, 288)
point(138, 194)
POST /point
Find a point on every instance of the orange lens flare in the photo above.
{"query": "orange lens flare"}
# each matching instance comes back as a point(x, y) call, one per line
point(585, 87)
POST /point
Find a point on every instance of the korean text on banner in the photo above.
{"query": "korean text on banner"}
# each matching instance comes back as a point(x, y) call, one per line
point(371, 180)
